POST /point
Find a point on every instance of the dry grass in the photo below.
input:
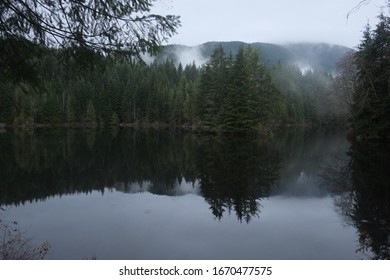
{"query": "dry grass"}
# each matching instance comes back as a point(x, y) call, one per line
point(14, 246)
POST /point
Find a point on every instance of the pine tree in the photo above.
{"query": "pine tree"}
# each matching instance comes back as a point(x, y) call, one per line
point(213, 88)
point(90, 118)
point(371, 100)
point(114, 121)
point(50, 112)
point(83, 28)
point(237, 113)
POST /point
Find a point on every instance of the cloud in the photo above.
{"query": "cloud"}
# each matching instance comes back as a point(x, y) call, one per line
point(271, 21)
point(188, 56)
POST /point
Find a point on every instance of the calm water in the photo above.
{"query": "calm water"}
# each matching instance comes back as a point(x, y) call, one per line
point(160, 195)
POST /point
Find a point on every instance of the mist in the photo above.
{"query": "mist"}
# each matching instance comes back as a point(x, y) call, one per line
point(304, 66)
point(187, 56)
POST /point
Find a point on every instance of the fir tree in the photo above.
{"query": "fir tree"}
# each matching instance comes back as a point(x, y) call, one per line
point(371, 100)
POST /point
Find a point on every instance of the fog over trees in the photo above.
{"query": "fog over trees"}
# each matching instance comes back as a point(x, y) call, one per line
point(67, 63)
point(101, 65)
point(231, 93)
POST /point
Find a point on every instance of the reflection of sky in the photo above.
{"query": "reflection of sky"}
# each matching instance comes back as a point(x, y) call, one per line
point(302, 186)
point(146, 226)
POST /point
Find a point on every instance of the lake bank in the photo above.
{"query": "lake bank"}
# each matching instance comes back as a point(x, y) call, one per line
point(196, 128)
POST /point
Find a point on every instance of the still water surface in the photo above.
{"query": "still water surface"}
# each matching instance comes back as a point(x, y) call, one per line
point(160, 195)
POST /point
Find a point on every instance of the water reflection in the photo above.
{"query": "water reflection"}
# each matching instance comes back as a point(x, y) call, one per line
point(235, 174)
point(231, 174)
point(360, 185)
point(56, 162)
point(175, 181)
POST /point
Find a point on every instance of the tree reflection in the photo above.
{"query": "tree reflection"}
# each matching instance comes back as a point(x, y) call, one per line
point(235, 174)
point(55, 162)
point(362, 193)
point(232, 174)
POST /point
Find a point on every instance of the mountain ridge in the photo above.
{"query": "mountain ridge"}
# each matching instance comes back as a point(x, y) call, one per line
point(308, 56)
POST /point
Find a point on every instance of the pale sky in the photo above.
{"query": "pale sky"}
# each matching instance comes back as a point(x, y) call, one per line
point(270, 21)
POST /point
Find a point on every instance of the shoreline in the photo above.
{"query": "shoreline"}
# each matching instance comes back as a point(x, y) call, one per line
point(96, 125)
point(197, 129)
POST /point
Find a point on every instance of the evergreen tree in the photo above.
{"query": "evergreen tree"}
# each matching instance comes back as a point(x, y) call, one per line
point(371, 100)
point(6, 103)
point(287, 79)
point(83, 28)
point(50, 112)
point(213, 88)
point(114, 121)
point(237, 113)
point(90, 117)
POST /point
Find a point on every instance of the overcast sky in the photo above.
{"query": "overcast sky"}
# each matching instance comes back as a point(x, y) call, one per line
point(270, 21)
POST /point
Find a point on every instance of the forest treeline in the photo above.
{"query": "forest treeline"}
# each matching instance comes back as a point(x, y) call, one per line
point(82, 72)
point(229, 93)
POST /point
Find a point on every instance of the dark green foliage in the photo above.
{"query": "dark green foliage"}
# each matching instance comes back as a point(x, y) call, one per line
point(370, 107)
point(85, 31)
point(50, 112)
point(236, 93)
point(100, 25)
point(6, 103)
point(90, 117)
point(103, 39)
point(237, 114)
point(18, 59)
point(213, 88)
point(308, 97)
point(114, 120)
point(229, 94)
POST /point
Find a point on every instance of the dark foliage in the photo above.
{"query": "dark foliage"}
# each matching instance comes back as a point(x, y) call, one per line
point(83, 27)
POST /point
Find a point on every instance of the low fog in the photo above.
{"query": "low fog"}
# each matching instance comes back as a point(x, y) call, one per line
point(187, 56)
point(307, 56)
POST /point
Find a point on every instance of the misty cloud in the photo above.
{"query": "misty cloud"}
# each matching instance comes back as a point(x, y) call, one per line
point(187, 55)
point(147, 58)
point(304, 66)
point(190, 55)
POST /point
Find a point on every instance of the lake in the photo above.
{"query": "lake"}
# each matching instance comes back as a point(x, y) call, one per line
point(161, 194)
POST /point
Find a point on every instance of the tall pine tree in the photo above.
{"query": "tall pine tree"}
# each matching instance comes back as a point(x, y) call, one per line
point(371, 101)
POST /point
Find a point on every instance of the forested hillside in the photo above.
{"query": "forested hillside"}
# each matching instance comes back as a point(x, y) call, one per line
point(233, 87)
point(229, 93)
point(314, 56)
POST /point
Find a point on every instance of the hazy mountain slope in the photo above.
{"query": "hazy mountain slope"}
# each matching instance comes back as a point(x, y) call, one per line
point(316, 56)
